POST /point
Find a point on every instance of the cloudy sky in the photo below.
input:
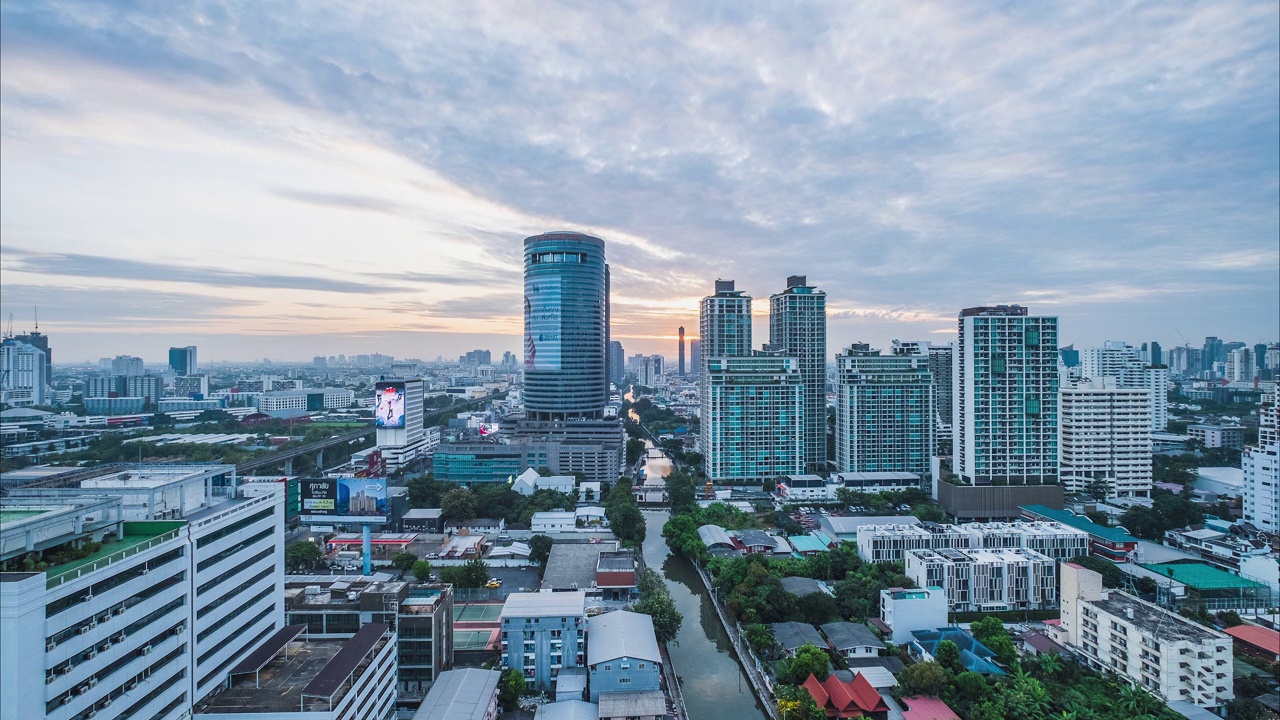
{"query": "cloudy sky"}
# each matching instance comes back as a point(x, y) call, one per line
point(282, 180)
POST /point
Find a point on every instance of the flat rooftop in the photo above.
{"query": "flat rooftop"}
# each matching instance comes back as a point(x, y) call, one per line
point(1150, 618)
point(522, 605)
point(572, 566)
point(279, 683)
point(136, 533)
point(8, 517)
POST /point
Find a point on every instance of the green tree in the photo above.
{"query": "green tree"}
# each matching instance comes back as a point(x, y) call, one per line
point(681, 492)
point(510, 687)
point(924, 678)
point(635, 449)
point(655, 601)
point(625, 519)
point(947, 654)
point(795, 703)
point(817, 608)
point(540, 549)
point(302, 555)
point(761, 639)
point(458, 504)
point(403, 561)
point(476, 571)
point(425, 491)
point(971, 685)
point(808, 660)
point(422, 570)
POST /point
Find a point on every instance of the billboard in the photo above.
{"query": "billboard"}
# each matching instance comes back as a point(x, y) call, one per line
point(388, 407)
point(542, 300)
point(343, 500)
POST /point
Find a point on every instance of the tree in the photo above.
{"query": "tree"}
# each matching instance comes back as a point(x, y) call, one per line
point(458, 504)
point(625, 519)
point(795, 703)
point(808, 660)
point(403, 561)
point(422, 570)
point(817, 608)
point(970, 684)
point(924, 678)
point(656, 602)
point(425, 491)
point(540, 549)
point(761, 639)
point(947, 654)
point(681, 492)
point(510, 687)
point(302, 555)
point(635, 449)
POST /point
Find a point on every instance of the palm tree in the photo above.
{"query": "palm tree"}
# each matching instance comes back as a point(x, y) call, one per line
point(1049, 664)
point(1136, 701)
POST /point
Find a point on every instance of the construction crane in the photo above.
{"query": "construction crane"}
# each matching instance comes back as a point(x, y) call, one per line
point(8, 331)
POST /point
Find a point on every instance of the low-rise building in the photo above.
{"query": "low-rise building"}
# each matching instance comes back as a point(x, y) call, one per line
point(622, 655)
point(987, 580)
point(974, 656)
point(600, 569)
point(543, 633)
point(1256, 641)
point(643, 705)
point(1112, 543)
point(554, 521)
point(1218, 436)
point(310, 679)
point(906, 611)
point(791, 636)
point(852, 640)
point(1168, 655)
point(465, 694)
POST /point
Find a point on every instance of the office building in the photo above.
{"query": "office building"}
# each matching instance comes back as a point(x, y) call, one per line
point(38, 340)
point(1240, 366)
point(154, 583)
point(695, 357)
point(798, 328)
point(183, 360)
point(1261, 464)
point(1006, 404)
point(401, 439)
point(1184, 361)
point(476, 358)
point(1170, 656)
point(1123, 362)
point(127, 365)
point(889, 542)
point(565, 327)
point(543, 633)
point(293, 675)
point(1211, 353)
point(617, 358)
point(941, 358)
point(680, 367)
point(751, 417)
point(622, 655)
point(884, 412)
point(296, 403)
point(24, 378)
point(1105, 439)
point(650, 370)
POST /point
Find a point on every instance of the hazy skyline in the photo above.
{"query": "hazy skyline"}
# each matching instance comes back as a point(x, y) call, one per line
point(292, 180)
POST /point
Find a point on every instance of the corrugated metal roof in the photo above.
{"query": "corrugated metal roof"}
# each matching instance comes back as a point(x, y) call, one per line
point(1066, 517)
point(459, 695)
point(621, 634)
point(568, 710)
point(713, 535)
point(545, 604)
point(1202, 576)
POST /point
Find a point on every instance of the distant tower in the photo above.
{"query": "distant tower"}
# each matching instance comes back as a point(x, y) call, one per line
point(695, 357)
point(680, 371)
point(183, 360)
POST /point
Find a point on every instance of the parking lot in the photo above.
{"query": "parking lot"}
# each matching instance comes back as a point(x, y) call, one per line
point(517, 579)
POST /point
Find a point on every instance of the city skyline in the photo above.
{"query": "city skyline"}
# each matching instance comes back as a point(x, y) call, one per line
point(194, 177)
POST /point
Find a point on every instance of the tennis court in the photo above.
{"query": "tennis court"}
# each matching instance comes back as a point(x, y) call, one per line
point(475, 612)
point(471, 639)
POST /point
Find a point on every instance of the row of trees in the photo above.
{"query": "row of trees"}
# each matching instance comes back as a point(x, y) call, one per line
point(496, 500)
point(655, 601)
point(625, 518)
point(1168, 512)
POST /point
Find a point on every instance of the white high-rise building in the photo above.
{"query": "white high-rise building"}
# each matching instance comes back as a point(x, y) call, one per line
point(1106, 438)
point(884, 411)
point(23, 374)
point(1162, 652)
point(1261, 464)
point(1240, 365)
point(127, 365)
point(1005, 408)
point(135, 593)
point(798, 327)
point(1124, 363)
point(987, 580)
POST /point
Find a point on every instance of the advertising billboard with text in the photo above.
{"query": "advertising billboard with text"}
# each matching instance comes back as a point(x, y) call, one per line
point(343, 500)
point(388, 408)
point(542, 298)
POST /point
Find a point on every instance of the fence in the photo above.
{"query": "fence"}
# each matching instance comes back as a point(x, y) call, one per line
point(757, 678)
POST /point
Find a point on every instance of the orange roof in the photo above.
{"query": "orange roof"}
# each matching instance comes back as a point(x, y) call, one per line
point(867, 697)
point(842, 698)
point(1264, 638)
point(814, 686)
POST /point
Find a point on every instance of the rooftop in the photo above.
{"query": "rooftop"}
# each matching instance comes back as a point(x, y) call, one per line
point(791, 635)
point(633, 704)
point(801, 586)
point(621, 634)
point(12, 516)
point(568, 710)
point(845, 635)
point(807, 543)
point(523, 605)
point(138, 536)
point(572, 566)
point(1265, 638)
point(1066, 517)
point(1200, 576)
point(1152, 619)
point(851, 525)
point(459, 695)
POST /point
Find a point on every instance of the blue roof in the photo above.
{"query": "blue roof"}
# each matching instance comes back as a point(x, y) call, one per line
point(807, 543)
point(974, 656)
point(1079, 522)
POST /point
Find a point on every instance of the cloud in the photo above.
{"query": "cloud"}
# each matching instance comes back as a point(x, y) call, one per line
point(341, 201)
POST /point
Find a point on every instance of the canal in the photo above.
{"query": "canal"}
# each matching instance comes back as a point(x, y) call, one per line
point(713, 683)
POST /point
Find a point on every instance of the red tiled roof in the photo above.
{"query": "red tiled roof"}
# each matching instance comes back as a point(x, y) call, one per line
point(842, 697)
point(1264, 638)
point(927, 708)
point(867, 697)
point(814, 686)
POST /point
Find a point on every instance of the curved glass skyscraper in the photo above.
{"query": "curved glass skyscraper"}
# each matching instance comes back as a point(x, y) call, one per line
point(565, 327)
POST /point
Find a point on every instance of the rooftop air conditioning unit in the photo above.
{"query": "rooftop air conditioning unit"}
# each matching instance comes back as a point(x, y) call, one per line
point(48, 679)
point(83, 629)
point(66, 700)
point(93, 623)
point(64, 670)
point(82, 689)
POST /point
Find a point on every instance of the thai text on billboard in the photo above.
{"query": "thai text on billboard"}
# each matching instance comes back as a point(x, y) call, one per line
point(542, 299)
point(344, 500)
point(388, 409)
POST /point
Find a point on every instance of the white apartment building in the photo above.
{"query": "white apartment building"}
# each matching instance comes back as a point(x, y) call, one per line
point(884, 411)
point(1123, 362)
point(291, 403)
point(1261, 464)
point(1162, 652)
point(1005, 408)
point(987, 580)
point(149, 621)
point(1240, 366)
point(1105, 438)
point(185, 385)
point(905, 611)
point(891, 543)
point(23, 379)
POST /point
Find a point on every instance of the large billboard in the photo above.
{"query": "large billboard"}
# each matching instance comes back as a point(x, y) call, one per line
point(343, 500)
point(542, 300)
point(388, 408)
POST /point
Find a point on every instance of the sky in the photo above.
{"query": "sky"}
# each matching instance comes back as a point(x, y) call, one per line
point(283, 180)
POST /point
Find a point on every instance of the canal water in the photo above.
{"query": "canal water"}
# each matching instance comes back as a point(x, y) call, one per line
point(713, 683)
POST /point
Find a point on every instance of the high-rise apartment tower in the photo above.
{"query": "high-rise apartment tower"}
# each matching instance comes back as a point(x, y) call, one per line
point(798, 327)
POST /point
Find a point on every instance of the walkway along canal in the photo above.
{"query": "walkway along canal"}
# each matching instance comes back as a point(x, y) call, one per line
point(713, 683)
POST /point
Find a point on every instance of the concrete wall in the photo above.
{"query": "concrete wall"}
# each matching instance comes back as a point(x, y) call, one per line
point(968, 502)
